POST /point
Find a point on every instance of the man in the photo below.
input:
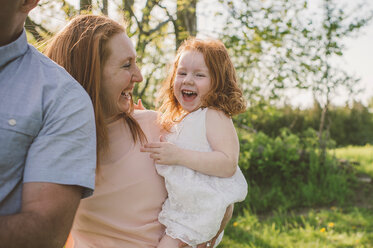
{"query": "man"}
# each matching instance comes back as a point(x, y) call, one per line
point(47, 139)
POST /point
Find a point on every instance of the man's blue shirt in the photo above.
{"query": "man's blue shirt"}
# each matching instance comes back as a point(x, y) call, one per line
point(47, 130)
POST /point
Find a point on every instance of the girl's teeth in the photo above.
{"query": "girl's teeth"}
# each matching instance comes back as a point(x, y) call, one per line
point(189, 93)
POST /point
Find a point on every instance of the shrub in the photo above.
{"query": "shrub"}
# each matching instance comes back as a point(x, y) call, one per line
point(285, 172)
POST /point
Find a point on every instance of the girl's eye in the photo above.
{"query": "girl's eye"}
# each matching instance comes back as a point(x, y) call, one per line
point(200, 75)
point(181, 73)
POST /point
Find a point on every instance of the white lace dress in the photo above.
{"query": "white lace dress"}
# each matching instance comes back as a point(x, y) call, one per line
point(196, 202)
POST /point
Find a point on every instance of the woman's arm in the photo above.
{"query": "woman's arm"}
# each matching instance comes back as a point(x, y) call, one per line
point(222, 137)
point(227, 217)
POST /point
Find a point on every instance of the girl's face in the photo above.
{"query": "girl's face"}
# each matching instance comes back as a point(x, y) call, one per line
point(119, 75)
point(192, 81)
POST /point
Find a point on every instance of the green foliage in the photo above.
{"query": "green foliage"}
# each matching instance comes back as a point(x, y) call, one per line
point(348, 125)
point(275, 45)
point(352, 125)
point(265, 41)
point(347, 225)
point(278, 45)
point(285, 172)
point(362, 155)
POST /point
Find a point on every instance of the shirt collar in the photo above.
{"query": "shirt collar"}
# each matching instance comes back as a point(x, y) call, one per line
point(13, 50)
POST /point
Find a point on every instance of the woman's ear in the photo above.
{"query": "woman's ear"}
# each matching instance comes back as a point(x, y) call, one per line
point(27, 5)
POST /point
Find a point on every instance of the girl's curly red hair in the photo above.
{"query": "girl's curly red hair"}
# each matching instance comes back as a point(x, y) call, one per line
point(224, 94)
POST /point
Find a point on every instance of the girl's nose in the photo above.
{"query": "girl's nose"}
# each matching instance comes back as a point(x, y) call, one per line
point(188, 79)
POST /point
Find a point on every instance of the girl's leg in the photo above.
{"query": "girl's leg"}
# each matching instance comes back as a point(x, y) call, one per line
point(168, 242)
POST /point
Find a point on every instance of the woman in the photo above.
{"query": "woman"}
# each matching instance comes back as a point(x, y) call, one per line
point(128, 194)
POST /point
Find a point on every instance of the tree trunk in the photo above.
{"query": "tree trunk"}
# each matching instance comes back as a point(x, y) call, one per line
point(104, 9)
point(128, 10)
point(186, 23)
point(31, 27)
point(85, 5)
point(323, 138)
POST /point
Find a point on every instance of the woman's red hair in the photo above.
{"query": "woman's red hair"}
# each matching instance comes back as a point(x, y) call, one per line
point(81, 48)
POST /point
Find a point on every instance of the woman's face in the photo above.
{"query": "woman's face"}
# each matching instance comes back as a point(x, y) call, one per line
point(192, 81)
point(119, 75)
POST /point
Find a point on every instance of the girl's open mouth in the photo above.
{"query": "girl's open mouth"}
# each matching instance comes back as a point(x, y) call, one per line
point(188, 95)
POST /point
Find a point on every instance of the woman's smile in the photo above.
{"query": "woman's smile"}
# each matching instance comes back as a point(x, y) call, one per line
point(120, 73)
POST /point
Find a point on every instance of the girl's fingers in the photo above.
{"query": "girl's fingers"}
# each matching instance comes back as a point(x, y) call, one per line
point(152, 145)
point(155, 156)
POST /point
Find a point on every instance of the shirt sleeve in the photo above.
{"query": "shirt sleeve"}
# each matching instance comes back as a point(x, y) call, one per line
point(64, 151)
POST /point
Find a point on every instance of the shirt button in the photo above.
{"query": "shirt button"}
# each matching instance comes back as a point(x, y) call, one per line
point(12, 122)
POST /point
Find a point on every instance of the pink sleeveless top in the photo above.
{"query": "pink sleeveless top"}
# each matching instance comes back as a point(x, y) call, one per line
point(123, 210)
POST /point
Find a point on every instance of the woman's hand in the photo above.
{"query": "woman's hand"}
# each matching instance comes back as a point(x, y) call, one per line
point(209, 244)
point(162, 152)
point(139, 105)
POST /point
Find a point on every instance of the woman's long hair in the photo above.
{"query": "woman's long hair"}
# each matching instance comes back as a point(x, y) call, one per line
point(81, 48)
point(224, 94)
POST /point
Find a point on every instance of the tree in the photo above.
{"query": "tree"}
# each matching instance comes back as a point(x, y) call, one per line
point(265, 40)
point(186, 22)
point(104, 8)
point(149, 33)
point(280, 45)
point(156, 28)
point(326, 42)
point(85, 5)
point(153, 35)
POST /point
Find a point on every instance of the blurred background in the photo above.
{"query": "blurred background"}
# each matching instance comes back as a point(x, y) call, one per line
point(306, 71)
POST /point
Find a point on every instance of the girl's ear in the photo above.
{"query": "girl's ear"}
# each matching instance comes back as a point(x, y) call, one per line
point(27, 5)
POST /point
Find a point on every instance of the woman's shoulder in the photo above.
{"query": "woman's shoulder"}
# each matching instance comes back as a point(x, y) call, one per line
point(148, 121)
point(145, 115)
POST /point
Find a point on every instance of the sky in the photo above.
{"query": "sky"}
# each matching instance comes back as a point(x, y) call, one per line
point(357, 58)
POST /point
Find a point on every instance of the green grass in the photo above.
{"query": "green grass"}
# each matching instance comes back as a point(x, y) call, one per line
point(333, 227)
point(361, 154)
point(345, 226)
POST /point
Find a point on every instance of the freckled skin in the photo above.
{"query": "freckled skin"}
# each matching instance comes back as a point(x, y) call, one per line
point(120, 73)
point(192, 74)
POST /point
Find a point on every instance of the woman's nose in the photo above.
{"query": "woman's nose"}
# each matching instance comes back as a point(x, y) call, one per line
point(137, 76)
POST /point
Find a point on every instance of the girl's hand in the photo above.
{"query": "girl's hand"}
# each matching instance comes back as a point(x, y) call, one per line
point(162, 152)
point(139, 105)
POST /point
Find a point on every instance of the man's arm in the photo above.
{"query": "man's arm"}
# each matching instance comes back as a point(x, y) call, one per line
point(45, 219)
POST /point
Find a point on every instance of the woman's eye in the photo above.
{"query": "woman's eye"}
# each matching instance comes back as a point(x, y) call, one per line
point(126, 65)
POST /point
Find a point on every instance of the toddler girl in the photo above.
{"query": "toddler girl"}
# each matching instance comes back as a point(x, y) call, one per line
point(198, 158)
